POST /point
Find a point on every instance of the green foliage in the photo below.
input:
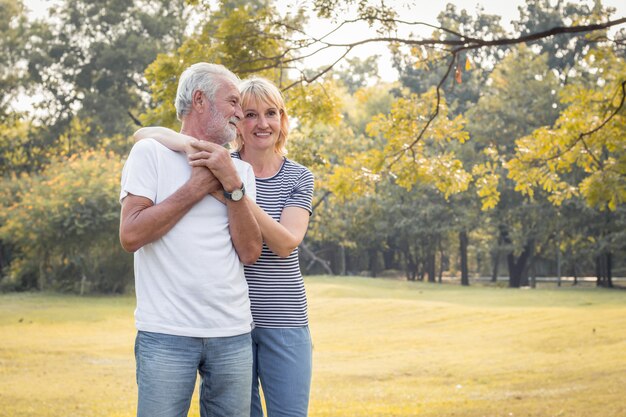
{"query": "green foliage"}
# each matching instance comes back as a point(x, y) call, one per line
point(91, 58)
point(13, 34)
point(422, 68)
point(15, 154)
point(379, 13)
point(358, 72)
point(520, 96)
point(62, 224)
point(229, 37)
point(563, 51)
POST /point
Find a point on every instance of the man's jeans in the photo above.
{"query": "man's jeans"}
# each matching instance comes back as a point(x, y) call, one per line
point(282, 363)
point(167, 367)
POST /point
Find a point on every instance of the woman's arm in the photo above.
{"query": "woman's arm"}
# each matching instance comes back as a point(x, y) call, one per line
point(284, 236)
point(167, 137)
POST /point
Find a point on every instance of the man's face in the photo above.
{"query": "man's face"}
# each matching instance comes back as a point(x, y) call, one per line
point(223, 114)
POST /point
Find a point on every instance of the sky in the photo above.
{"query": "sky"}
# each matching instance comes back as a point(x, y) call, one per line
point(423, 11)
point(410, 10)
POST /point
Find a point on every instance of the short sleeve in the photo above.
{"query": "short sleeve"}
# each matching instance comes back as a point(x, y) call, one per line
point(302, 192)
point(246, 173)
point(139, 176)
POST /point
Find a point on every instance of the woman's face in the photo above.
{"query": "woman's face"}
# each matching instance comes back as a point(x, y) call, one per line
point(260, 126)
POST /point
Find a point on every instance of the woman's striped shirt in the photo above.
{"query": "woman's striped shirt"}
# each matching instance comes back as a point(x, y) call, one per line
point(275, 285)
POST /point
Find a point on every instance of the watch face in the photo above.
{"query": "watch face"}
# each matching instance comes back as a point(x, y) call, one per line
point(237, 195)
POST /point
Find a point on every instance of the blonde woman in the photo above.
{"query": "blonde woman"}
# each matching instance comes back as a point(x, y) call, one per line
point(281, 338)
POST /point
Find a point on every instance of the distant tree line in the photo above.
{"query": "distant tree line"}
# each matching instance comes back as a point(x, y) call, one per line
point(497, 153)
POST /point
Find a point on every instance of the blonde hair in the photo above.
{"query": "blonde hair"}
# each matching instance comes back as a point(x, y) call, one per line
point(261, 89)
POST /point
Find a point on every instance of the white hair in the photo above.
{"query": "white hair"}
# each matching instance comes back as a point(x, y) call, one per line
point(204, 77)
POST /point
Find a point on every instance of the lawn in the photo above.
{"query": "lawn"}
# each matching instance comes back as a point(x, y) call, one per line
point(381, 348)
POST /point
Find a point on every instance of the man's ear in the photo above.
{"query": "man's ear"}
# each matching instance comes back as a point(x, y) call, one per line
point(198, 101)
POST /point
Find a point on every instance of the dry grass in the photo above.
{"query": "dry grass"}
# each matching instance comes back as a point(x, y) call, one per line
point(382, 348)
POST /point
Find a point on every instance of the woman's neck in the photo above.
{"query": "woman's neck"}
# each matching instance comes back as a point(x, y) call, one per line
point(265, 164)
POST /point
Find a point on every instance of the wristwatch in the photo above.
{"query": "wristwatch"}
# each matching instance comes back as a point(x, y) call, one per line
point(237, 193)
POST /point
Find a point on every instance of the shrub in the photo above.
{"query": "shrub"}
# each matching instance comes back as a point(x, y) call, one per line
point(62, 227)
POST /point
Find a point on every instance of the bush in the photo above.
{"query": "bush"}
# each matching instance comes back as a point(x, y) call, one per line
point(62, 227)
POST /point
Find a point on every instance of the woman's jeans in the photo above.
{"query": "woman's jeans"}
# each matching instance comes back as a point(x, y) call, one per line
point(167, 368)
point(282, 365)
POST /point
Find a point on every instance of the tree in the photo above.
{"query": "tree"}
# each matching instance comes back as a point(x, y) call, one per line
point(62, 227)
point(588, 138)
point(518, 98)
point(13, 34)
point(452, 44)
point(90, 62)
point(568, 161)
point(240, 35)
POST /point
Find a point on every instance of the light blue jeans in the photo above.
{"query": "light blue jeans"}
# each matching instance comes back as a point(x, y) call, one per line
point(282, 365)
point(167, 368)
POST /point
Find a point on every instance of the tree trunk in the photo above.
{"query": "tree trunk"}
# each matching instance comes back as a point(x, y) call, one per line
point(609, 270)
point(3, 261)
point(374, 265)
point(463, 253)
point(503, 236)
point(558, 264)
point(604, 271)
point(518, 275)
point(443, 263)
point(411, 266)
point(420, 271)
point(430, 266)
point(496, 264)
point(388, 257)
point(340, 258)
point(306, 251)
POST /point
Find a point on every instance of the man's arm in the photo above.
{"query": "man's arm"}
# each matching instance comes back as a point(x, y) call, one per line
point(143, 222)
point(244, 229)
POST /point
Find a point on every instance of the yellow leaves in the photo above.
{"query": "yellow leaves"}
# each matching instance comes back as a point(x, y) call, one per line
point(421, 57)
point(486, 180)
point(584, 153)
point(315, 103)
point(468, 64)
point(405, 156)
point(604, 190)
point(357, 176)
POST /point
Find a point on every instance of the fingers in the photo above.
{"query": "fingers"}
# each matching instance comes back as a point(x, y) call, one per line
point(199, 155)
point(200, 163)
point(203, 145)
point(203, 179)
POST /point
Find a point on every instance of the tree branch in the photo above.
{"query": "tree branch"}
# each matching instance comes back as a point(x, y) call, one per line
point(135, 120)
point(582, 135)
point(432, 117)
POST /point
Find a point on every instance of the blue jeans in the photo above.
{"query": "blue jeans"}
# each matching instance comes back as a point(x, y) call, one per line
point(167, 368)
point(282, 365)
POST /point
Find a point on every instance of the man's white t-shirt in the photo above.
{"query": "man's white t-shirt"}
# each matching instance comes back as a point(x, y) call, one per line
point(189, 282)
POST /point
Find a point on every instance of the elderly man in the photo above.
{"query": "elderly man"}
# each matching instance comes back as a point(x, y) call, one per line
point(193, 312)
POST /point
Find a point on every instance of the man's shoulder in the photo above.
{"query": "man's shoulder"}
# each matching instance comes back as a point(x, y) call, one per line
point(150, 145)
point(151, 148)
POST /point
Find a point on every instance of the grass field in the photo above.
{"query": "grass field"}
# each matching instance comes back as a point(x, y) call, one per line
point(381, 348)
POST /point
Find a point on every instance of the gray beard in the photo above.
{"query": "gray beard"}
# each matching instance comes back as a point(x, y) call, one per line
point(227, 133)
